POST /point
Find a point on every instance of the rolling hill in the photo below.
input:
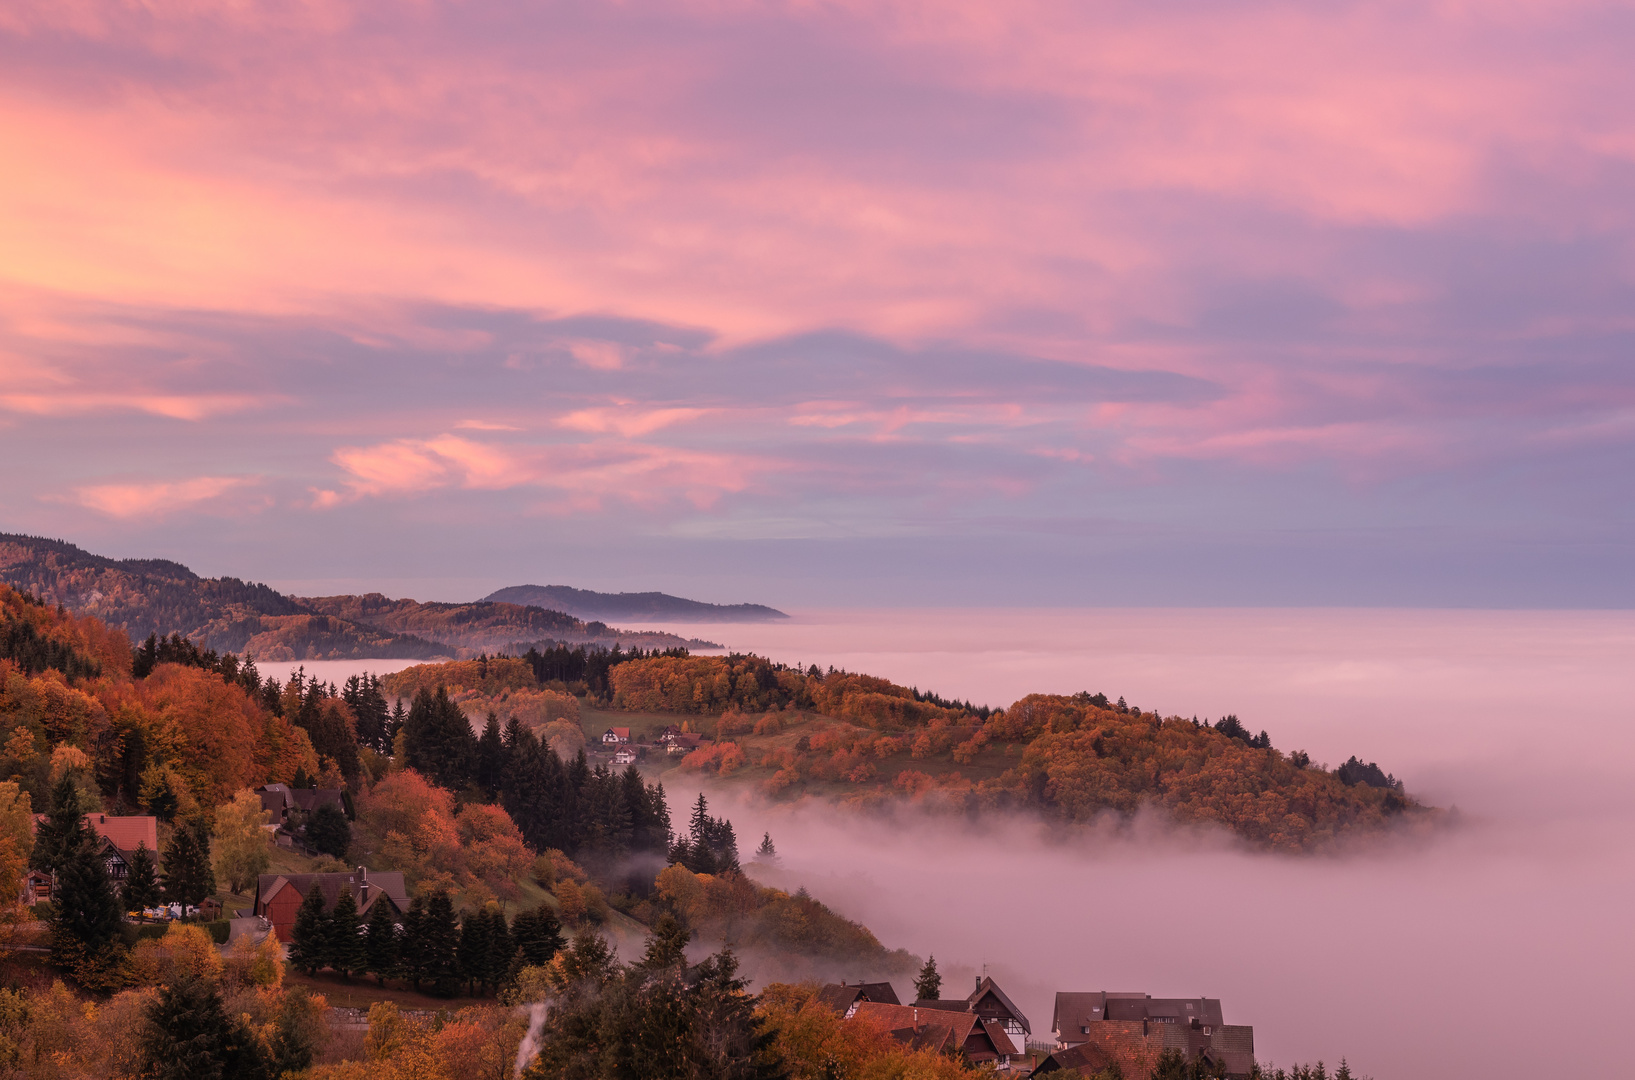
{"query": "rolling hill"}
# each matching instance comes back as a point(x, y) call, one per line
point(637, 607)
point(157, 596)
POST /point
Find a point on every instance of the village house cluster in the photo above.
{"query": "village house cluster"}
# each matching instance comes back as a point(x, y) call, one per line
point(1090, 1031)
point(669, 739)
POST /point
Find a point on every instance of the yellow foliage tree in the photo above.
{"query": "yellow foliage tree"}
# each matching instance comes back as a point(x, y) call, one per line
point(241, 845)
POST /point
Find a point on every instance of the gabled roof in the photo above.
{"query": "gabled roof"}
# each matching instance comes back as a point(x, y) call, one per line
point(996, 1034)
point(1084, 1059)
point(124, 832)
point(987, 986)
point(838, 997)
point(388, 883)
point(1074, 1010)
point(841, 996)
point(918, 1026)
point(309, 799)
point(882, 992)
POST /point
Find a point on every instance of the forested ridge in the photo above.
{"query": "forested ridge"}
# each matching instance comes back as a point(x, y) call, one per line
point(869, 742)
point(181, 732)
point(160, 597)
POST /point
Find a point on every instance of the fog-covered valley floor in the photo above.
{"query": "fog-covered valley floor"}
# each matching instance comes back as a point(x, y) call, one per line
point(1499, 948)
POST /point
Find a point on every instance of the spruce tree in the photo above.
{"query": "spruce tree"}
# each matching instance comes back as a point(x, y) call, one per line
point(204, 873)
point(766, 852)
point(61, 829)
point(394, 724)
point(181, 865)
point(442, 943)
point(490, 757)
point(87, 914)
point(699, 825)
point(381, 944)
point(141, 889)
point(347, 949)
point(328, 831)
point(472, 951)
point(928, 987)
point(437, 741)
point(500, 949)
point(189, 876)
point(667, 947)
point(189, 1036)
point(412, 951)
point(538, 935)
point(309, 939)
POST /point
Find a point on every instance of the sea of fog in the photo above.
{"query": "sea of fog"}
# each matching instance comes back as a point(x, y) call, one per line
point(1502, 947)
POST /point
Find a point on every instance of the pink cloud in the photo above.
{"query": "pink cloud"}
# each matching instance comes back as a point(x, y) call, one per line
point(583, 475)
point(128, 501)
point(713, 175)
point(628, 421)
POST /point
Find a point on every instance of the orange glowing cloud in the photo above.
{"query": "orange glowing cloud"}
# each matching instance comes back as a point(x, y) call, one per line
point(586, 475)
point(127, 501)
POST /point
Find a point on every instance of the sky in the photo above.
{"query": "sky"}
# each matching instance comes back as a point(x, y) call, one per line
point(1168, 303)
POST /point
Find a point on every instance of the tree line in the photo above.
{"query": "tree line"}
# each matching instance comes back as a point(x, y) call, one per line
point(588, 664)
point(426, 945)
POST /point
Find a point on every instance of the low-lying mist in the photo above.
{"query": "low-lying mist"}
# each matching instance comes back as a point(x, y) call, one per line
point(1497, 947)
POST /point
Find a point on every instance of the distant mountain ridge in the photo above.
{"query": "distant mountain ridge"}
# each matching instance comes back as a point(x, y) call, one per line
point(655, 606)
point(158, 596)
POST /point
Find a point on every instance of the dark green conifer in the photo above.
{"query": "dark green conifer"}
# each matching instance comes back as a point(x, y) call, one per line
point(412, 953)
point(347, 949)
point(309, 939)
point(500, 949)
point(86, 914)
point(472, 952)
point(62, 828)
point(381, 944)
point(490, 757)
point(328, 831)
point(442, 943)
point(667, 946)
point(189, 876)
point(538, 935)
point(189, 1036)
point(928, 987)
point(141, 889)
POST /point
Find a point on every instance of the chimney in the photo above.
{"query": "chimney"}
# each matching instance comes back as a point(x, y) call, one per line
point(363, 885)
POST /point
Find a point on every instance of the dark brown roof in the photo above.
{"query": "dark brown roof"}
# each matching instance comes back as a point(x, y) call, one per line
point(1084, 1060)
point(935, 1029)
point(1074, 1010)
point(997, 1035)
point(837, 997)
point(841, 996)
point(986, 986)
point(882, 992)
point(309, 799)
point(945, 1004)
point(387, 883)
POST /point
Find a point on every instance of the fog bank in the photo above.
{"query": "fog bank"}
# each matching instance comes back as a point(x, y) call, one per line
point(1500, 948)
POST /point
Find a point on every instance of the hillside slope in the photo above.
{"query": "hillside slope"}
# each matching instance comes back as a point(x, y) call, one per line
point(487, 625)
point(157, 596)
point(865, 741)
point(654, 606)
